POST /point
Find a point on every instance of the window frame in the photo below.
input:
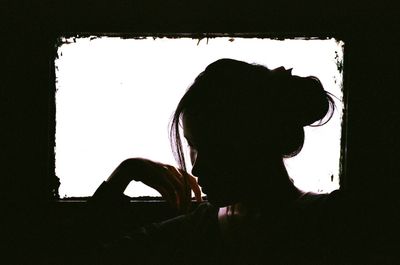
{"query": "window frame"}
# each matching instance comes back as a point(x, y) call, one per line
point(55, 181)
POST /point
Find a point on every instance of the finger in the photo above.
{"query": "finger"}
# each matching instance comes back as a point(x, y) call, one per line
point(160, 180)
point(165, 178)
point(169, 196)
point(176, 179)
point(173, 179)
point(195, 187)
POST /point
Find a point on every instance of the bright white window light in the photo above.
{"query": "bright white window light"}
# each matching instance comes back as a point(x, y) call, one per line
point(115, 98)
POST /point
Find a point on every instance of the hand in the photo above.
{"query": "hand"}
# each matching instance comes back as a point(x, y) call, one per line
point(173, 184)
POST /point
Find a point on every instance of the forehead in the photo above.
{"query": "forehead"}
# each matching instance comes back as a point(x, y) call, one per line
point(198, 129)
point(194, 127)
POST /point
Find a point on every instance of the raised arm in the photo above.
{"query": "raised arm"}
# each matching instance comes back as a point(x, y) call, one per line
point(172, 183)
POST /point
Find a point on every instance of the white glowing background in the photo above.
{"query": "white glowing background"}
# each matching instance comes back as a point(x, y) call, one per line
point(115, 98)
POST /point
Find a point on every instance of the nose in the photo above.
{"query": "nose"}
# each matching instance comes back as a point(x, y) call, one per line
point(201, 169)
point(193, 155)
point(196, 164)
point(195, 168)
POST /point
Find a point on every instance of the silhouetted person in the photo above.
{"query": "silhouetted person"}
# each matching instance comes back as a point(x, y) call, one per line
point(240, 121)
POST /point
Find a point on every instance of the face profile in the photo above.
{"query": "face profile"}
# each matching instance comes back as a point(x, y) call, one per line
point(211, 158)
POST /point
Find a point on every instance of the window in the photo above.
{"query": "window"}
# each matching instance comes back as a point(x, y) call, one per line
point(115, 98)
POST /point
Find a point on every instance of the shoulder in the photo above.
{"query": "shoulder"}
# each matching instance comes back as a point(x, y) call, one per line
point(317, 213)
point(315, 201)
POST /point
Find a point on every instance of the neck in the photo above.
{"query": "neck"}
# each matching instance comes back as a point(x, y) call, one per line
point(274, 192)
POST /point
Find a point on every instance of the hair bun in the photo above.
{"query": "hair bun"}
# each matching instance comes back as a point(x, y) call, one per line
point(311, 101)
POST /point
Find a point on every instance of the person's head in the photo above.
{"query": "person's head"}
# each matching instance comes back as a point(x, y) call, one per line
point(240, 121)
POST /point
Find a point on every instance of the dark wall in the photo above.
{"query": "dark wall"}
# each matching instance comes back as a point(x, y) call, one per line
point(370, 32)
point(28, 46)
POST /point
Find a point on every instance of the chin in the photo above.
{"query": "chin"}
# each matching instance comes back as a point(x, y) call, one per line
point(218, 201)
